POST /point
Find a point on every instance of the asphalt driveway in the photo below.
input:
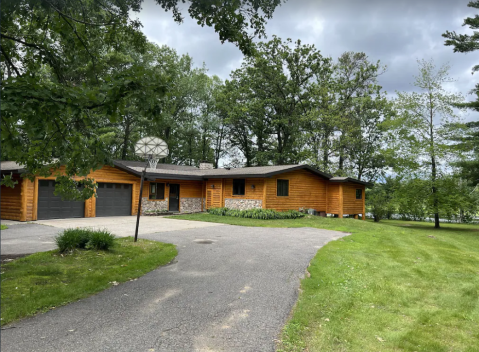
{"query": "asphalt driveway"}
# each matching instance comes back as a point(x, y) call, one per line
point(230, 288)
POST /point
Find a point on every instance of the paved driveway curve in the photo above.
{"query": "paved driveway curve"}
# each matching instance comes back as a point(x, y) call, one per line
point(233, 294)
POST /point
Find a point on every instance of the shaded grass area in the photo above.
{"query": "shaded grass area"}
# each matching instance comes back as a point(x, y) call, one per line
point(43, 281)
point(390, 286)
point(3, 227)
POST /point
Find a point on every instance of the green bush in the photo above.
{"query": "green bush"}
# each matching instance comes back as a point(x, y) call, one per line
point(262, 214)
point(79, 238)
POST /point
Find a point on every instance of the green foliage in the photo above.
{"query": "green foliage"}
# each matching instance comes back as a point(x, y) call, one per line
point(8, 181)
point(72, 68)
point(3, 227)
point(425, 122)
point(465, 43)
point(100, 240)
point(467, 144)
point(43, 281)
point(261, 214)
point(79, 238)
point(381, 201)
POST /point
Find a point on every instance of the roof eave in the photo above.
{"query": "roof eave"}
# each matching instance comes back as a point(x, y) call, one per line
point(353, 180)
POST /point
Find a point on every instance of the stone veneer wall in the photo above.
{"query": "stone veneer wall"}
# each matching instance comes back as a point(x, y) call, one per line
point(243, 204)
point(190, 205)
point(149, 205)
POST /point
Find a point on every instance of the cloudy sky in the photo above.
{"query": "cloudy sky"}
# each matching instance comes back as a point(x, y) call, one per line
point(396, 32)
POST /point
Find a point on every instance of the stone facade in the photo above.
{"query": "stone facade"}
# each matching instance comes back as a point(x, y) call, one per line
point(190, 205)
point(243, 204)
point(150, 205)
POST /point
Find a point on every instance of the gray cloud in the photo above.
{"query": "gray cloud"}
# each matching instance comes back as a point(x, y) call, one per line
point(394, 32)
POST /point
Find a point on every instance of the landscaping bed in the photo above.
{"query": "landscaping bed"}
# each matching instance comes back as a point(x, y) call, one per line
point(390, 286)
point(46, 280)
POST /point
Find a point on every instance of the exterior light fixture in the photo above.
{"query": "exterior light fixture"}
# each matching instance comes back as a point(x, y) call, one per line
point(252, 186)
point(212, 186)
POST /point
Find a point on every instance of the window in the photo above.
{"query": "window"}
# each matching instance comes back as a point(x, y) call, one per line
point(157, 190)
point(283, 188)
point(359, 194)
point(238, 187)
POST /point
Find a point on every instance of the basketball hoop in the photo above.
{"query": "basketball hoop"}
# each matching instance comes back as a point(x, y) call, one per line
point(151, 149)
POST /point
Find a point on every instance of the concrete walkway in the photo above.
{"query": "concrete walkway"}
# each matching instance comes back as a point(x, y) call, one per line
point(39, 236)
point(230, 289)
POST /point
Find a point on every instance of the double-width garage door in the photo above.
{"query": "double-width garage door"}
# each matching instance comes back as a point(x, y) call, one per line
point(114, 199)
point(51, 206)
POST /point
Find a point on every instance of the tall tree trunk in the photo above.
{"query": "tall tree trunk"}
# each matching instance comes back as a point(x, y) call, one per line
point(435, 198)
point(126, 139)
point(434, 192)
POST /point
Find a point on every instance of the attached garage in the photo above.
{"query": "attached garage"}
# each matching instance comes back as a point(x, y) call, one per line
point(51, 206)
point(113, 199)
point(117, 195)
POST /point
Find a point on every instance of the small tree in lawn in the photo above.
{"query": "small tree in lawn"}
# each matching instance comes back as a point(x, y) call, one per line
point(425, 123)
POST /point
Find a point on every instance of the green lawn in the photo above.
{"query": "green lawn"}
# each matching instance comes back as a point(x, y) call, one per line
point(390, 286)
point(46, 280)
point(3, 227)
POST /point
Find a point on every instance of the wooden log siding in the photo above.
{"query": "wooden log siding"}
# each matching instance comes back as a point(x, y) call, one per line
point(333, 198)
point(214, 196)
point(250, 193)
point(188, 189)
point(306, 190)
point(351, 205)
point(11, 200)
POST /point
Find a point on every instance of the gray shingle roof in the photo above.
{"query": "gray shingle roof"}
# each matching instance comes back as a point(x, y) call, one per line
point(10, 166)
point(190, 172)
point(142, 164)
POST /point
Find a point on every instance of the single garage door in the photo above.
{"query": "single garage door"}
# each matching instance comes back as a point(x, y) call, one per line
point(114, 199)
point(51, 206)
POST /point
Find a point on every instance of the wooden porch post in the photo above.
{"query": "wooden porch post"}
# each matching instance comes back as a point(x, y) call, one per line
point(364, 203)
point(23, 197)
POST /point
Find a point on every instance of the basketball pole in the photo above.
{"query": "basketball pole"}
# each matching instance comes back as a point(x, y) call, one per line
point(139, 201)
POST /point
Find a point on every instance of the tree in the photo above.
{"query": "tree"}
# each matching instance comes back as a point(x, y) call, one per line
point(355, 80)
point(381, 199)
point(464, 43)
point(468, 146)
point(58, 86)
point(425, 124)
point(272, 92)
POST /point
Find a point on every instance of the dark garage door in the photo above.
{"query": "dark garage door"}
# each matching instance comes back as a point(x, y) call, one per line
point(114, 199)
point(51, 206)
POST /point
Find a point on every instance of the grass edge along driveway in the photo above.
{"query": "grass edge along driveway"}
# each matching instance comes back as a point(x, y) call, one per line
point(390, 286)
point(46, 280)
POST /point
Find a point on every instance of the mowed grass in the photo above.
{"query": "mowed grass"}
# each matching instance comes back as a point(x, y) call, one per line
point(3, 227)
point(390, 286)
point(44, 281)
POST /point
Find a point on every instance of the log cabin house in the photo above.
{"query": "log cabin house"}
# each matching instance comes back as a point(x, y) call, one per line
point(185, 189)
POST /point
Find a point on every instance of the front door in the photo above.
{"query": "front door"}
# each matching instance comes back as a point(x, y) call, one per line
point(174, 204)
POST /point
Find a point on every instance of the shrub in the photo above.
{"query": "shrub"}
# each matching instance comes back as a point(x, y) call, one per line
point(79, 238)
point(72, 238)
point(100, 240)
point(258, 213)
